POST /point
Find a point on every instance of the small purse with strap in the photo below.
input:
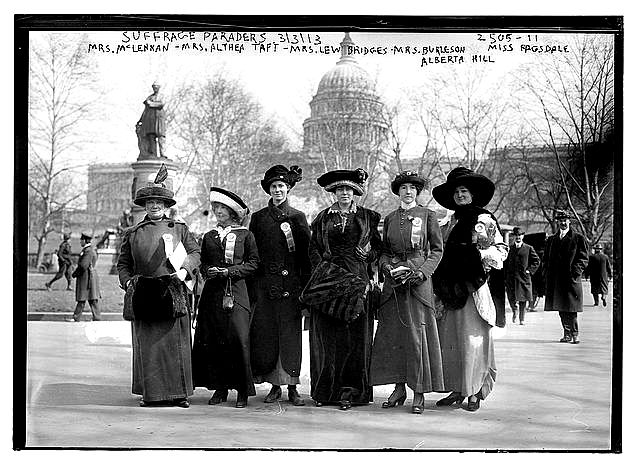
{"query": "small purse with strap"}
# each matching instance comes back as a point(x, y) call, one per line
point(228, 300)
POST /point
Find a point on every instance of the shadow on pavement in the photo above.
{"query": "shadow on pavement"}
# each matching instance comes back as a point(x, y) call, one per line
point(61, 394)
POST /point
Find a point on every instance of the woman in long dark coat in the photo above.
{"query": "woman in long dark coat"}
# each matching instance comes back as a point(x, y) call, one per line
point(406, 349)
point(470, 284)
point(344, 242)
point(282, 236)
point(161, 335)
point(221, 354)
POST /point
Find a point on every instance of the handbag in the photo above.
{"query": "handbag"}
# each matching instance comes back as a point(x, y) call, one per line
point(228, 300)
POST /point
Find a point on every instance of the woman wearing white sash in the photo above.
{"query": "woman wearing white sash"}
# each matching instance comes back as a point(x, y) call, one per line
point(221, 357)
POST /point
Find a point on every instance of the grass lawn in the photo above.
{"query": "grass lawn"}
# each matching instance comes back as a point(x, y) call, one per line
point(41, 300)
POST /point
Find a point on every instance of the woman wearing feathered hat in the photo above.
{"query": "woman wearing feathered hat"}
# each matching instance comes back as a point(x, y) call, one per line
point(345, 242)
point(406, 349)
point(157, 257)
point(282, 236)
point(470, 284)
point(221, 357)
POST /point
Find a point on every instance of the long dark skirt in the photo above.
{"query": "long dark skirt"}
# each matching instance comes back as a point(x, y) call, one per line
point(407, 347)
point(221, 357)
point(162, 359)
point(340, 357)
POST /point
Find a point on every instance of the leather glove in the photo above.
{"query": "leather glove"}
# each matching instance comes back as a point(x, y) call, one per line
point(416, 278)
point(361, 254)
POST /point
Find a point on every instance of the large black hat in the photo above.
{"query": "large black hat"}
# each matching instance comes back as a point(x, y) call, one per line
point(597, 247)
point(86, 234)
point(517, 231)
point(156, 190)
point(280, 173)
point(481, 188)
point(355, 179)
point(229, 199)
point(408, 177)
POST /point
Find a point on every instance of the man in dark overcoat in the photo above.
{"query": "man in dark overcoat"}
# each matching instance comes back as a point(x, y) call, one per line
point(87, 285)
point(282, 236)
point(522, 262)
point(599, 273)
point(565, 259)
point(64, 262)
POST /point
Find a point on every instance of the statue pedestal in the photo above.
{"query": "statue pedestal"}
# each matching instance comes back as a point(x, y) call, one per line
point(107, 260)
point(144, 171)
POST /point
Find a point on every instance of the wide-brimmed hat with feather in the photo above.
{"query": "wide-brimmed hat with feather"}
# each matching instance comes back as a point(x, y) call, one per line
point(280, 173)
point(156, 190)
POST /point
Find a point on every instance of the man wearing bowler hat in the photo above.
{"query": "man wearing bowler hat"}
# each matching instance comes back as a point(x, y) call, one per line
point(87, 286)
point(521, 263)
point(565, 258)
point(599, 273)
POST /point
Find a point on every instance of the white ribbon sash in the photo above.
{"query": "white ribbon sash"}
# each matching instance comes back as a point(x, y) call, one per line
point(230, 247)
point(416, 232)
point(286, 230)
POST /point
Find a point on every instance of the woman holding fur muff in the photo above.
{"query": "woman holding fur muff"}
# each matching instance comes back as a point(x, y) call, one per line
point(156, 298)
point(344, 245)
point(221, 355)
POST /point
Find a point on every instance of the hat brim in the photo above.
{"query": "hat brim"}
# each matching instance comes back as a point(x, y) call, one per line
point(224, 197)
point(357, 190)
point(266, 183)
point(417, 181)
point(480, 187)
point(142, 200)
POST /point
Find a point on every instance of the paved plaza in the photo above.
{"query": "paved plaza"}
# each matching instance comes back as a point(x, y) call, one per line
point(548, 396)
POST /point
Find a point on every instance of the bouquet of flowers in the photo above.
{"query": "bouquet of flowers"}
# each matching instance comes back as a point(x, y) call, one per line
point(489, 242)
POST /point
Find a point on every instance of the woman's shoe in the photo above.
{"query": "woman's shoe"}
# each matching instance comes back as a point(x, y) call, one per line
point(241, 401)
point(181, 402)
point(218, 397)
point(274, 394)
point(453, 397)
point(294, 397)
point(319, 404)
point(397, 398)
point(345, 404)
point(473, 406)
point(418, 404)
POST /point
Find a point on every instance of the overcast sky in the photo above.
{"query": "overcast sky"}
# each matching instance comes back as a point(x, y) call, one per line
point(282, 81)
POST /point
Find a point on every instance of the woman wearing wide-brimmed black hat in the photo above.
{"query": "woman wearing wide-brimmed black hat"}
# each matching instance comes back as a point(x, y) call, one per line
point(282, 236)
point(406, 349)
point(150, 270)
point(221, 355)
point(470, 284)
point(344, 244)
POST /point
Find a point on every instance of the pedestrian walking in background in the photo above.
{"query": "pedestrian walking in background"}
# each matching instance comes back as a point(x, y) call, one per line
point(565, 258)
point(406, 349)
point(521, 264)
point(470, 285)
point(158, 255)
point(221, 349)
point(345, 243)
point(282, 236)
point(87, 283)
point(599, 273)
point(65, 263)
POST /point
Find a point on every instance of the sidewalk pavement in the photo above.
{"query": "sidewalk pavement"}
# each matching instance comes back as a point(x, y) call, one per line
point(548, 396)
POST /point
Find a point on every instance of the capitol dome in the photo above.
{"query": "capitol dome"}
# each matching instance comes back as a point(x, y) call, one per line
point(347, 75)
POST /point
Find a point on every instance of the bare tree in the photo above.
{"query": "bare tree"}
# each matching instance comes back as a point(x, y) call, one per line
point(574, 100)
point(461, 117)
point(61, 97)
point(222, 138)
